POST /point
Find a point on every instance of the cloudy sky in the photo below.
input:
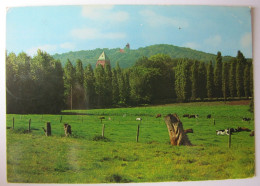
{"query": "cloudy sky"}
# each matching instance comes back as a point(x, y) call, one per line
point(60, 29)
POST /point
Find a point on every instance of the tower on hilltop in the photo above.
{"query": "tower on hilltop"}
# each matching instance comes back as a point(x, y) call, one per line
point(127, 46)
point(103, 60)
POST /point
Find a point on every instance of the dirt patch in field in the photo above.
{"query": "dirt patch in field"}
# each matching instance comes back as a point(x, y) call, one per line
point(240, 102)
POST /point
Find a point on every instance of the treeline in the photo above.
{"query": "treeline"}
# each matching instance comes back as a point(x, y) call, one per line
point(41, 85)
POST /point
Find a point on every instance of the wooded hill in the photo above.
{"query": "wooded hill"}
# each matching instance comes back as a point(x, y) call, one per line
point(130, 56)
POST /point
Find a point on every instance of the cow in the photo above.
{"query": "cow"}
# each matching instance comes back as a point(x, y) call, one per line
point(138, 119)
point(222, 132)
point(193, 116)
point(208, 116)
point(252, 133)
point(158, 116)
point(186, 115)
point(246, 119)
point(67, 129)
point(239, 129)
point(188, 131)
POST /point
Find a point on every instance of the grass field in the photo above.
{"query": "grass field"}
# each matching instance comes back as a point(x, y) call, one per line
point(35, 158)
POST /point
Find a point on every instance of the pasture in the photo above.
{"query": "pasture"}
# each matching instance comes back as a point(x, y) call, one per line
point(83, 157)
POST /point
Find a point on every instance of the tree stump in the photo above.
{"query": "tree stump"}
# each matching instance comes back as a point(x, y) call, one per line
point(67, 129)
point(48, 129)
point(175, 129)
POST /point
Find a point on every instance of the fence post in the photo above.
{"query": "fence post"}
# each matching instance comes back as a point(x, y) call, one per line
point(13, 122)
point(103, 130)
point(29, 128)
point(137, 134)
point(48, 129)
point(229, 138)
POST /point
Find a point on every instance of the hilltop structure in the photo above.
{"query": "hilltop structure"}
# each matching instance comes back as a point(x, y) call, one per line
point(103, 60)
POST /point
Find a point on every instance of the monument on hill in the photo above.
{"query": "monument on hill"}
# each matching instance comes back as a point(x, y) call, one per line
point(103, 60)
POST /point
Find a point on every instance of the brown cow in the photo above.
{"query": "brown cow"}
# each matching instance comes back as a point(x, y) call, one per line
point(239, 129)
point(158, 116)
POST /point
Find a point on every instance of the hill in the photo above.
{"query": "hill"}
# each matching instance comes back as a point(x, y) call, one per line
point(129, 56)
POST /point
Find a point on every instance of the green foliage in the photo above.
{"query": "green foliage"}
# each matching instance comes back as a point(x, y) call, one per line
point(239, 74)
point(202, 78)
point(129, 57)
point(232, 78)
point(225, 83)
point(89, 84)
point(218, 76)
point(194, 80)
point(247, 80)
point(210, 80)
point(34, 85)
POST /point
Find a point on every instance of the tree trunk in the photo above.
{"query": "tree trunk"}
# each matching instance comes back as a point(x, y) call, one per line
point(176, 132)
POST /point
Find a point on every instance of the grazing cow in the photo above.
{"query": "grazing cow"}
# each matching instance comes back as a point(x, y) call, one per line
point(138, 119)
point(252, 133)
point(239, 129)
point(193, 116)
point(246, 119)
point(186, 115)
point(208, 116)
point(67, 129)
point(222, 132)
point(188, 131)
point(158, 116)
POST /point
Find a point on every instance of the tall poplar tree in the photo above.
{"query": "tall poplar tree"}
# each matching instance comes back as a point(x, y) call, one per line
point(247, 80)
point(69, 82)
point(100, 85)
point(115, 88)
point(217, 76)
point(210, 80)
point(194, 80)
point(241, 61)
point(108, 85)
point(202, 79)
point(232, 79)
point(89, 84)
point(79, 92)
point(225, 84)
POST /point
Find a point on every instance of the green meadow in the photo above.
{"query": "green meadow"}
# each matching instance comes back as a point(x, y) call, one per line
point(84, 157)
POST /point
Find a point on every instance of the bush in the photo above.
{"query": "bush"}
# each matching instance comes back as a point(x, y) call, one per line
point(100, 138)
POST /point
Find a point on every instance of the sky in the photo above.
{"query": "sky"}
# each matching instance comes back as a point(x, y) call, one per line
point(60, 29)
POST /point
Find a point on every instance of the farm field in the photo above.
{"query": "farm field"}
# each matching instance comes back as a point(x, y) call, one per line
point(84, 158)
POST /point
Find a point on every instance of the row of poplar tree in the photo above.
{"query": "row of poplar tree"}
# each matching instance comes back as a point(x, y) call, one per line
point(41, 85)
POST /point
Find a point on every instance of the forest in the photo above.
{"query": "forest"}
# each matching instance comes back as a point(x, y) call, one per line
point(127, 57)
point(41, 84)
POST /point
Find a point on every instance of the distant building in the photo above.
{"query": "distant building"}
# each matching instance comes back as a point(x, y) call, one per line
point(103, 59)
point(127, 46)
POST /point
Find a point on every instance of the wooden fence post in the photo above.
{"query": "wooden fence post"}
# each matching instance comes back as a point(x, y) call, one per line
point(29, 128)
point(48, 129)
point(229, 138)
point(137, 134)
point(13, 122)
point(103, 130)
